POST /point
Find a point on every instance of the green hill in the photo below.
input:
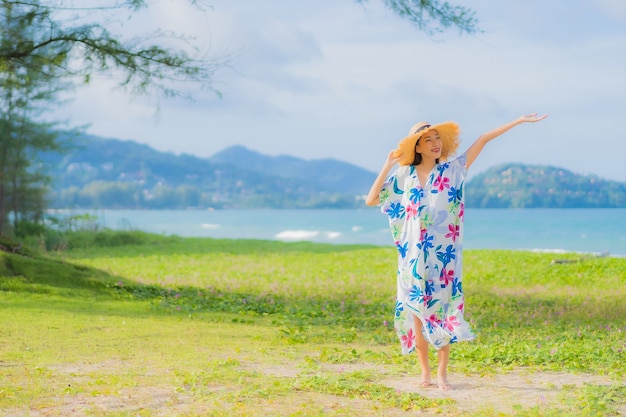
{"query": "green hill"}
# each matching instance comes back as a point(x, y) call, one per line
point(534, 186)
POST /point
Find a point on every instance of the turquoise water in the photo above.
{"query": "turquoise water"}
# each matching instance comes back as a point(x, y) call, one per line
point(579, 230)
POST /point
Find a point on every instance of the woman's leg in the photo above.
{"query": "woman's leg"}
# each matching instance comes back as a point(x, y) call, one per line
point(421, 346)
point(443, 355)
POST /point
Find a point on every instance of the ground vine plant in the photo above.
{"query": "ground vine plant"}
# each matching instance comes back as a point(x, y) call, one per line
point(128, 323)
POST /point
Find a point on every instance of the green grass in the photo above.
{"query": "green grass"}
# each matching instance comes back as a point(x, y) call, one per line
point(130, 323)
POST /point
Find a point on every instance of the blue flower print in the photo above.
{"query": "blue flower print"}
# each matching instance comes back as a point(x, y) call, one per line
point(429, 289)
point(416, 293)
point(402, 248)
point(425, 244)
point(455, 195)
point(399, 308)
point(447, 256)
point(457, 287)
point(430, 327)
point(396, 210)
point(416, 194)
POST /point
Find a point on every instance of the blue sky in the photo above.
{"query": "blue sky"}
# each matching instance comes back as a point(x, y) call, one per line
point(337, 79)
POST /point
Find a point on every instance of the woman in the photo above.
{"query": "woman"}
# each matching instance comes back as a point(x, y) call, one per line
point(423, 199)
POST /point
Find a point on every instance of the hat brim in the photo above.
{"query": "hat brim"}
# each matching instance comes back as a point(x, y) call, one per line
point(449, 134)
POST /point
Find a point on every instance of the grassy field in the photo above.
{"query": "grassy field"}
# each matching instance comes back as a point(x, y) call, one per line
point(132, 324)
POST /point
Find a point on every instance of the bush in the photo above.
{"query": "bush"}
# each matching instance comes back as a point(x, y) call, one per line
point(105, 238)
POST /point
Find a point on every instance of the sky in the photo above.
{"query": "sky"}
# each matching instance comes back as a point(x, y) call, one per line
point(346, 80)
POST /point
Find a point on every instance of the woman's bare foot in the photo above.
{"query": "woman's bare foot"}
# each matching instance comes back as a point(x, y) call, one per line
point(444, 386)
point(442, 380)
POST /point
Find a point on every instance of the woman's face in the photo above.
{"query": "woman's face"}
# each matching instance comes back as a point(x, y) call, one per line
point(429, 145)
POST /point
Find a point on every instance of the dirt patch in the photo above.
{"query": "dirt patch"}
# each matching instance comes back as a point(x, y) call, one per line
point(107, 367)
point(500, 392)
point(281, 370)
point(355, 367)
point(159, 401)
point(292, 370)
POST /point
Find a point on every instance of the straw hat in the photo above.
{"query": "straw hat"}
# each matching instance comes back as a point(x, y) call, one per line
point(448, 132)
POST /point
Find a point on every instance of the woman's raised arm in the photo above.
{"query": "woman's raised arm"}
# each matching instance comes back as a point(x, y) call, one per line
point(373, 196)
point(474, 150)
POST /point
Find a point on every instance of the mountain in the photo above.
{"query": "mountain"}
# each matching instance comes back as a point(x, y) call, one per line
point(326, 174)
point(533, 186)
point(112, 173)
point(92, 158)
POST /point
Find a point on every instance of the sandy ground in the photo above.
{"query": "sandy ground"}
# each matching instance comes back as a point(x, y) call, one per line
point(502, 393)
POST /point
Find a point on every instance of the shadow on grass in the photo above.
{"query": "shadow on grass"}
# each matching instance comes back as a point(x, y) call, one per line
point(35, 272)
point(523, 310)
point(48, 275)
point(43, 275)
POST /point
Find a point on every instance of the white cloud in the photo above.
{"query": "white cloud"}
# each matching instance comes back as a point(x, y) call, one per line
point(333, 79)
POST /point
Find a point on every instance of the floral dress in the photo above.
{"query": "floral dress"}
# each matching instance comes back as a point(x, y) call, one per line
point(426, 223)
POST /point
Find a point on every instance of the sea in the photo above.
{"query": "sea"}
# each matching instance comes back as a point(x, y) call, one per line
point(594, 231)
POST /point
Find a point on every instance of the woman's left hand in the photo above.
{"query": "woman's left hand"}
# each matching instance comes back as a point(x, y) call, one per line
point(532, 118)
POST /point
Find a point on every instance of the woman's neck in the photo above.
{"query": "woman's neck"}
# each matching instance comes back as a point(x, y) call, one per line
point(423, 170)
point(427, 164)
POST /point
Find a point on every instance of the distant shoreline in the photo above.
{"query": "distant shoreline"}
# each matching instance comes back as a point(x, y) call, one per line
point(590, 231)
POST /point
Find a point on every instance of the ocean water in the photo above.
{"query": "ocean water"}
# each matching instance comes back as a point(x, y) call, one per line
point(571, 230)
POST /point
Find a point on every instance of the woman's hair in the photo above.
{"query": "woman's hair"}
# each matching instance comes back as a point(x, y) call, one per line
point(418, 156)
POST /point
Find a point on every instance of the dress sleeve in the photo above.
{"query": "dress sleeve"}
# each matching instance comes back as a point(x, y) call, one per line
point(458, 164)
point(386, 192)
point(391, 193)
point(461, 160)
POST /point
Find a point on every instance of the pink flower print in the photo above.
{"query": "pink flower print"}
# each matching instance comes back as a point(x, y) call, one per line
point(461, 211)
point(451, 323)
point(408, 339)
point(453, 231)
point(432, 319)
point(441, 183)
point(411, 210)
point(422, 234)
point(447, 276)
point(427, 298)
point(460, 307)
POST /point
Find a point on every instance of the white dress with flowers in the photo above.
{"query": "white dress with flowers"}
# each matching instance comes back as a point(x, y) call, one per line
point(427, 227)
